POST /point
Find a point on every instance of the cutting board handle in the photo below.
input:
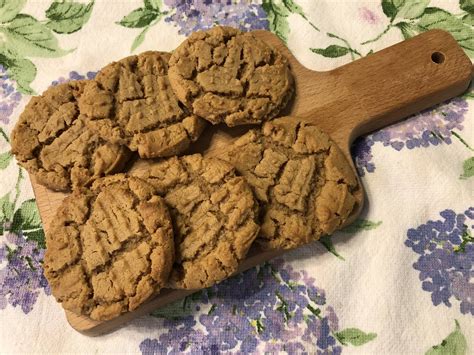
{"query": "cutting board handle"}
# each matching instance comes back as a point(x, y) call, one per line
point(404, 79)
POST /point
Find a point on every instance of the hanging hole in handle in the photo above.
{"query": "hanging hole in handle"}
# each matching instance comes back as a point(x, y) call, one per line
point(437, 57)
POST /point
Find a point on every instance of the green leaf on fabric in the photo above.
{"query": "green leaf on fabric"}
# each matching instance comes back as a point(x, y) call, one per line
point(277, 15)
point(9, 9)
point(22, 70)
point(454, 344)
point(37, 236)
point(412, 9)
point(441, 19)
point(326, 241)
point(176, 310)
point(68, 17)
point(360, 225)
point(2, 132)
point(407, 9)
point(468, 19)
point(153, 4)
point(467, 5)
point(333, 51)
point(138, 18)
point(468, 168)
point(6, 209)
point(354, 337)
point(5, 159)
point(466, 239)
point(29, 37)
point(139, 39)
point(389, 8)
point(27, 217)
point(293, 7)
point(408, 30)
point(279, 7)
point(469, 95)
point(258, 325)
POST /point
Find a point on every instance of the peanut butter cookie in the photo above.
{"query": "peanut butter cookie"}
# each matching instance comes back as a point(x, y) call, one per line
point(109, 248)
point(303, 180)
point(225, 75)
point(213, 212)
point(52, 142)
point(130, 102)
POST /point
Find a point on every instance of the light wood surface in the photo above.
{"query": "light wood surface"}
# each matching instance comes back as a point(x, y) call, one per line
point(349, 101)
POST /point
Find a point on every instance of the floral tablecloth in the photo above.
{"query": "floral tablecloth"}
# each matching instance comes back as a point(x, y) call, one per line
point(398, 281)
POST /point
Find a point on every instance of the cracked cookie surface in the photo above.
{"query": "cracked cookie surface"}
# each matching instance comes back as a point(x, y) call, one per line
point(225, 75)
point(131, 102)
point(52, 142)
point(302, 179)
point(109, 248)
point(213, 212)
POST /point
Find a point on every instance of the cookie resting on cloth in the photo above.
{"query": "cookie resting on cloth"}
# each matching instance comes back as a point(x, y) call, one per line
point(109, 248)
point(225, 75)
point(130, 102)
point(52, 142)
point(214, 216)
point(302, 179)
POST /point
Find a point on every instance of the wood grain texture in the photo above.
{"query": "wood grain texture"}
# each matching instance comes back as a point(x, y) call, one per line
point(346, 102)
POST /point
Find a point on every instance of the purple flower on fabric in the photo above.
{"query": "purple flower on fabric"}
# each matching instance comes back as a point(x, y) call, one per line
point(181, 337)
point(428, 128)
point(272, 308)
point(22, 279)
point(193, 15)
point(9, 96)
point(446, 249)
point(362, 155)
point(74, 75)
point(152, 346)
point(226, 330)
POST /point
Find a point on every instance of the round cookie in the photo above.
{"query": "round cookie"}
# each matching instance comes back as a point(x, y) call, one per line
point(302, 179)
point(130, 102)
point(109, 248)
point(213, 212)
point(52, 142)
point(225, 75)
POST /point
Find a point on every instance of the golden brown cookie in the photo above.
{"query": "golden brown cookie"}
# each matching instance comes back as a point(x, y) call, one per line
point(52, 142)
point(109, 248)
point(225, 75)
point(302, 178)
point(130, 102)
point(213, 212)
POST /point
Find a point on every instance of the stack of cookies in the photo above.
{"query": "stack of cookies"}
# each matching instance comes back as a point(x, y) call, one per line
point(179, 221)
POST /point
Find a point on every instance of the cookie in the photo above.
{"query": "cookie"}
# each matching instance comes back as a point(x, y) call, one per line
point(130, 102)
point(213, 213)
point(52, 142)
point(225, 75)
point(302, 179)
point(109, 248)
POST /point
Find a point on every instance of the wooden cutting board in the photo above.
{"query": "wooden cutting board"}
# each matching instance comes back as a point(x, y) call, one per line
point(346, 102)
